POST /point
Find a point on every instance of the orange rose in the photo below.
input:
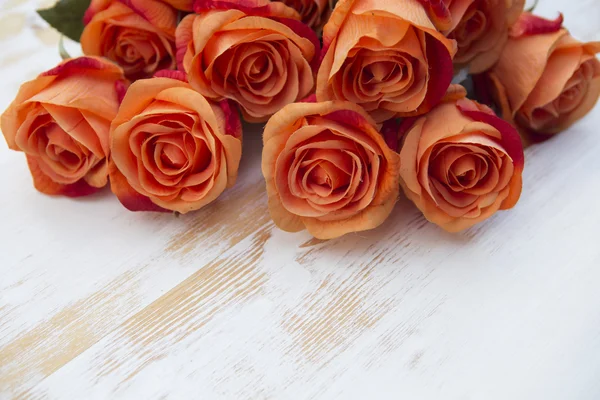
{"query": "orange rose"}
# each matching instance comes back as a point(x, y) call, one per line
point(460, 164)
point(139, 35)
point(386, 56)
point(314, 13)
point(171, 149)
point(545, 80)
point(328, 169)
point(61, 121)
point(480, 28)
point(256, 56)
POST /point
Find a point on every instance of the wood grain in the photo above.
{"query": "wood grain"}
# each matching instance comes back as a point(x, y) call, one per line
point(96, 302)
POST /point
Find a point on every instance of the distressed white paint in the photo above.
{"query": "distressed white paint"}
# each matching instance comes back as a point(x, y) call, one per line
point(96, 302)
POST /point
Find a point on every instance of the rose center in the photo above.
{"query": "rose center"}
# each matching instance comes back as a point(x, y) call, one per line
point(259, 65)
point(328, 176)
point(172, 156)
point(131, 53)
point(371, 76)
point(465, 178)
point(65, 157)
point(60, 153)
point(460, 168)
point(127, 47)
point(575, 90)
point(380, 71)
point(255, 69)
point(572, 96)
point(327, 172)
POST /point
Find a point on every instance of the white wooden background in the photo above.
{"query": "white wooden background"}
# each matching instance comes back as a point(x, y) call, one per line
point(100, 303)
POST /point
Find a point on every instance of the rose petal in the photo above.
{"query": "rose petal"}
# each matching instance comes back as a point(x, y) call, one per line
point(46, 185)
point(529, 24)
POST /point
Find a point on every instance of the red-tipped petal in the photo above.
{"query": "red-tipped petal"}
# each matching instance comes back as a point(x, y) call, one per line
point(438, 12)
point(171, 74)
point(511, 141)
point(46, 185)
point(261, 8)
point(95, 7)
point(76, 65)
point(233, 124)
point(301, 29)
point(439, 80)
point(310, 99)
point(159, 14)
point(127, 195)
point(88, 15)
point(351, 118)
point(121, 89)
point(529, 24)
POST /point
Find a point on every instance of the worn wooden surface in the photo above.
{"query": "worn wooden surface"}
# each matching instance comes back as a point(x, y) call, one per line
point(97, 302)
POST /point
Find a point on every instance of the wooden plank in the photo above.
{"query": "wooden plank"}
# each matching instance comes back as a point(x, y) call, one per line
point(114, 284)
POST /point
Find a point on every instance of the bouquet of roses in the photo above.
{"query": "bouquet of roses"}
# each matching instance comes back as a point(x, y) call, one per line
point(358, 99)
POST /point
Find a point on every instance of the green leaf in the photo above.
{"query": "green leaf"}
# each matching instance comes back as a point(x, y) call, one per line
point(67, 17)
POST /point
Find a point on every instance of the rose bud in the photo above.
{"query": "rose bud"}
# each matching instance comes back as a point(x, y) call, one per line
point(385, 56)
point(314, 13)
point(256, 56)
point(61, 121)
point(139, 35)
point(172, 149)
point(328, 169)
point(545, 80)
point(480, 28)
point(460, 163)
